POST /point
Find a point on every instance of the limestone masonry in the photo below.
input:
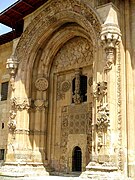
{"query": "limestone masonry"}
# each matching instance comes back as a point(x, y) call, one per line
point(67, 91)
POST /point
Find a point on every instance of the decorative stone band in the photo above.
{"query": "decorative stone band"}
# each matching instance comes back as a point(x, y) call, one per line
point(36, 132)
point(22, 131)
point(32, 132)
point(20, 103)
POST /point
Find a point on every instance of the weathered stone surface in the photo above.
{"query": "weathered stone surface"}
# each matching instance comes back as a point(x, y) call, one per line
point(72, 91)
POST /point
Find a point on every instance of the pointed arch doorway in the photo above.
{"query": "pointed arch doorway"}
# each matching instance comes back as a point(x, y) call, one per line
point(77, 159)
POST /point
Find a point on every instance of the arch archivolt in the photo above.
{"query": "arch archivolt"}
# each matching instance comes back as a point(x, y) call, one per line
point(47, 22)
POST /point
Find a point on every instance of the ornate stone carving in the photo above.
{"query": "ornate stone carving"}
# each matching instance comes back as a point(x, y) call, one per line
point(110, 57)
point(119, 114)
point(75, 120)
point(103, 120)
point(77, 52)
point(77, 96)
point(12, 65)
point(20, 104)
point(110, 37)
point(100, 90)
point(65, 86)
point(90, 82)
point(60, 93)
point(12, 121)
point(42, 22)
point(12, 114)
point(12, 125)
point(41, 84)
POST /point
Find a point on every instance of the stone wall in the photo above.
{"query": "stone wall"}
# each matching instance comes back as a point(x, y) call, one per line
point(5, 53)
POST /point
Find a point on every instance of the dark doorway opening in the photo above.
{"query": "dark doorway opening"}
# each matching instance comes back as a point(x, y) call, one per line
point(77, 159)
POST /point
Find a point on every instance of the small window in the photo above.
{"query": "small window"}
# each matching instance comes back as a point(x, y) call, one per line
point(73, 89)
point(83, 88)
point(2, 125)
point(2, 152)
point(4, 91)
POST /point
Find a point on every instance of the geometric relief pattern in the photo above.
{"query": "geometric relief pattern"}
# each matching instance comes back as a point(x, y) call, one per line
point(75, 120)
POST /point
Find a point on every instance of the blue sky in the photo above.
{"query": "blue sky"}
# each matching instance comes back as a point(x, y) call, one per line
point(3, 5)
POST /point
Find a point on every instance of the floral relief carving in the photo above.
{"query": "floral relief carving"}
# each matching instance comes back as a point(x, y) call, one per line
point(102, 126)
point(20, 104)
point(78, 51)
point(12, 121)
point(103, 120)
point(17, 104)
point(65, 86)
point(100, 90)
point(60, 93)
point(12, 125)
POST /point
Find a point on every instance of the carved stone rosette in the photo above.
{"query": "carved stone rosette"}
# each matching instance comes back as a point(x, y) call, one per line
point(41, 84)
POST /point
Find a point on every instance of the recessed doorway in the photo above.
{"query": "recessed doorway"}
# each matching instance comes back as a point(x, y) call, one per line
point(77, 159)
